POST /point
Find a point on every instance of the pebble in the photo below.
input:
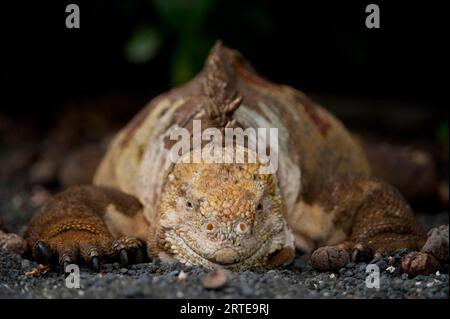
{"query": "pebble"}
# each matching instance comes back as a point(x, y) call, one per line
point(390, 269)
point(25, 263)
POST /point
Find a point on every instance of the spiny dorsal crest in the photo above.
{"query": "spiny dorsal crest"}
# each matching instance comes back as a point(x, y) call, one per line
point(222, 98)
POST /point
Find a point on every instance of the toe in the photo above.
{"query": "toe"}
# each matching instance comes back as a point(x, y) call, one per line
point(128, 249)
point(42, 253)
point(419, 263)
point(123, 255)
point(139, 256)
point(329, 258)
point(361, 253)
point(67, 256)
point(95, 263)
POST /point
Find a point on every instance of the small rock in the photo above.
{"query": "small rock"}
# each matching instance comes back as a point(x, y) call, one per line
point(390, 269)
point(437, 243)
point(215, 279)
point(25, 263)
point(322, 285)
point(182, 276)
point(12, 242)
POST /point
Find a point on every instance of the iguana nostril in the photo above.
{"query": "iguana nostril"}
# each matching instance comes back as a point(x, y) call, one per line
point(209, 227)
point(241, 228)
point(225, 256)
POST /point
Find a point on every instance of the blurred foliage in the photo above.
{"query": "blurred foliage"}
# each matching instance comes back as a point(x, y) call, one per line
point(182, 19)
point(185, 19)
point(143, 44)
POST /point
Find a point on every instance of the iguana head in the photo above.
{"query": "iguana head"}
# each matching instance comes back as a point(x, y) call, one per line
point(223, 214)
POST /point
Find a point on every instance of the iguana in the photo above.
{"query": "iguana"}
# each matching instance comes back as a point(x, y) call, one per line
point(322, 199)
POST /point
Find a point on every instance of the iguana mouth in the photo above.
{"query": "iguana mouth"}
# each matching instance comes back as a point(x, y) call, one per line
point(189, 255)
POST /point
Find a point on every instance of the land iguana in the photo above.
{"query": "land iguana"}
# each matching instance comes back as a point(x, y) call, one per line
point(322, 200)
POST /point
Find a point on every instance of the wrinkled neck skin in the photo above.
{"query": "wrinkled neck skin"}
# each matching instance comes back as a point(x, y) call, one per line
point(221, 215)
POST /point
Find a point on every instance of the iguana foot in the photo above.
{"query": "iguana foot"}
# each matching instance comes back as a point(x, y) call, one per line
point(86, 225)
point(85, 249)
point(361, 253)
point(330, 258)
point(429, 259)
point(129, 249)
point(418, 263)
point(71, 247)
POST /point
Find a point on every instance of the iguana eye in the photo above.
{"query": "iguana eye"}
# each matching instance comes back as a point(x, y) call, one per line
point(189, 205)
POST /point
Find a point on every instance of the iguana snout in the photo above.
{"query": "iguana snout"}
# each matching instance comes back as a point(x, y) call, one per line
point(225, 256)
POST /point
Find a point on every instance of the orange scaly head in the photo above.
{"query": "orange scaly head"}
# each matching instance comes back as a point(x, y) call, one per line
point(223, 214)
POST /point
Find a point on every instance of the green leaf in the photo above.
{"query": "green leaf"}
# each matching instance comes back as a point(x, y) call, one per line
point(184, 16)
point(188, 59)
point(143, 44)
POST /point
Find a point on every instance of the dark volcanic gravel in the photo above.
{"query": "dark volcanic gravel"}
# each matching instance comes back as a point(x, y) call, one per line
point(155, 280)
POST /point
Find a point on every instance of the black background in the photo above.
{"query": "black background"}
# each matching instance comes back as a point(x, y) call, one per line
point(315, 46)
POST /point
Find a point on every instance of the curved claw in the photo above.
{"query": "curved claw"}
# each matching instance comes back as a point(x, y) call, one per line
point(65, 265)
point(123, 258)
point(361, 254)
point(139, 256)
point(44, 255)
point(95, 263)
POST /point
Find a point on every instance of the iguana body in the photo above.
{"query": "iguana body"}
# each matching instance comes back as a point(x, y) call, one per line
point(322, 198)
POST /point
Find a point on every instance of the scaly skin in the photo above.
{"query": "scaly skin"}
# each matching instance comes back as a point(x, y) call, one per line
point(322, 199)
point(224, 214)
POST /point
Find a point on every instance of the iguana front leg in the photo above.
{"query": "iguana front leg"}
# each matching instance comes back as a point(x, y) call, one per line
point(88, 224)
point(370, 216)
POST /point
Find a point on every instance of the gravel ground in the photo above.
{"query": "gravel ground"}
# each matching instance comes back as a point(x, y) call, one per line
point(155, 280)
